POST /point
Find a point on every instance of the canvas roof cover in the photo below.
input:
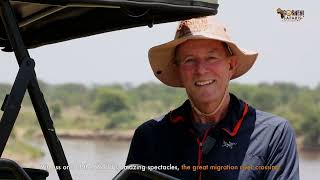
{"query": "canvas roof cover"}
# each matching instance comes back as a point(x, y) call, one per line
point(49, 21)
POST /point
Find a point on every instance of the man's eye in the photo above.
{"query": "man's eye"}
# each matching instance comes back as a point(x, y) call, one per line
point(188, 61)
point(212, 58)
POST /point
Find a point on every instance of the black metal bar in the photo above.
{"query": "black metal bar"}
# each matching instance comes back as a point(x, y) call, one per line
point(137, 169)
point(10, 24)
point(37, 99)
point(48, 130)
point(14, 168)
point(4, 102)
point(13, 103)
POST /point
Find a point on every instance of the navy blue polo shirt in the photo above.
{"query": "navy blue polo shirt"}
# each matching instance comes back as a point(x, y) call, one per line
point(246, 144)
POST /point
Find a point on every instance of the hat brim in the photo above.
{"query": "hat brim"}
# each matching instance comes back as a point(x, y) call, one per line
point(161, 59)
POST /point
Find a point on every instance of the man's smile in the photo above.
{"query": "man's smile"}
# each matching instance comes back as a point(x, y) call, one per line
point(204, 83)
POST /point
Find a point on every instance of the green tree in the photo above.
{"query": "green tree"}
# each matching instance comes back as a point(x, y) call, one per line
point(55, 110)
point(306, 105)
point(265, 99)
point(69, 94)
point(110, 100)
point(120, 118)
point(243, 91)
point(294, 117)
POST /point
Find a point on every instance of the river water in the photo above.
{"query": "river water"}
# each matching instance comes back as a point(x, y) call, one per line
point(97, 159)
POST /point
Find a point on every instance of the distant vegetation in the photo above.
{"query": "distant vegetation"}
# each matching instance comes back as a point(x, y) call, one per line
point(75, 106)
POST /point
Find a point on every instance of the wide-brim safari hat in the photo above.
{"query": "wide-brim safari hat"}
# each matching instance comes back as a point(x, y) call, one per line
point(161, 57)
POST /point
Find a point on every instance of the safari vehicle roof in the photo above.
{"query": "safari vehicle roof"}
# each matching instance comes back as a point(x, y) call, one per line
point(44, 22)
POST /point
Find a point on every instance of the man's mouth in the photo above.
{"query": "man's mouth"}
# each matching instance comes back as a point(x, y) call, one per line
point(204, 83)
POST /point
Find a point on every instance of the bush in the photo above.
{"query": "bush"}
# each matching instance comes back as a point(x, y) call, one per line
point(120, 118)
point(55, 111)
point(110, 101)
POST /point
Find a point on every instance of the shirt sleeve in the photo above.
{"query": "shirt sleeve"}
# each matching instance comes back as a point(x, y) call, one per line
point(139, 152)
point(283, 155)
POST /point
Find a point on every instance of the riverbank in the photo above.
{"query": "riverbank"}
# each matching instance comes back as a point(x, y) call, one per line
point(21, 152)
point(126, 135)
point(106, 135)
point(109, 135)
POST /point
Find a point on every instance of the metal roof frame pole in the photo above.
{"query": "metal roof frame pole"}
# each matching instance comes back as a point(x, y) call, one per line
point(26, 79)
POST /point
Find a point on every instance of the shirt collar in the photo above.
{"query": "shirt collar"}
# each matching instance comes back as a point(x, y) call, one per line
point(182, 115)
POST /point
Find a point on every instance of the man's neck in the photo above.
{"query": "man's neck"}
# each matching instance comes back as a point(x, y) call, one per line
point(215, 118)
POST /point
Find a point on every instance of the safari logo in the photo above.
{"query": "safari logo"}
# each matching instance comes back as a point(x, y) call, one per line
point(290, 15)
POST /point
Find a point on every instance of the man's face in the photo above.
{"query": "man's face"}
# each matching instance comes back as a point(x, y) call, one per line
point(205, 69)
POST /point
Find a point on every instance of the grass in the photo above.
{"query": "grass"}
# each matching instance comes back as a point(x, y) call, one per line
point(77, 118)
point(24, 129)
point(20, 151)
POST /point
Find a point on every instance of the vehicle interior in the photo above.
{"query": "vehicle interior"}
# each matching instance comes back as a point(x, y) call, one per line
point(27, 24)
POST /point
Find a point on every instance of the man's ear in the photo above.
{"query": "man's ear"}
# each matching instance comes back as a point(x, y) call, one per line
point(233, 63)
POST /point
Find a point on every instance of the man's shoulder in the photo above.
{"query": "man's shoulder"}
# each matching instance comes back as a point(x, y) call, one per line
point(263, 119)
point(273, 131)
point(153, 123)
point(270, 120)
point(164, 120)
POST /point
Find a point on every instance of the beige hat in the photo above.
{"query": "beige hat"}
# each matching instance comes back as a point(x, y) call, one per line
point(162, 57)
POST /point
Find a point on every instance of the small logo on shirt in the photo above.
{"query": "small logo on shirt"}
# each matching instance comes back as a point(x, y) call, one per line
point(229, 144)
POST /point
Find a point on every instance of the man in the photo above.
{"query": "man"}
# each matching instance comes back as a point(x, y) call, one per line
point(213, 135)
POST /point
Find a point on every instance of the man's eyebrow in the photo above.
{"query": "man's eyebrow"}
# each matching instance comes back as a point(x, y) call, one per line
point(187, 56)
point(214, 50)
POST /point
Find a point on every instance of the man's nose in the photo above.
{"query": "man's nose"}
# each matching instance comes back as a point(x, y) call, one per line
point(201, 68)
